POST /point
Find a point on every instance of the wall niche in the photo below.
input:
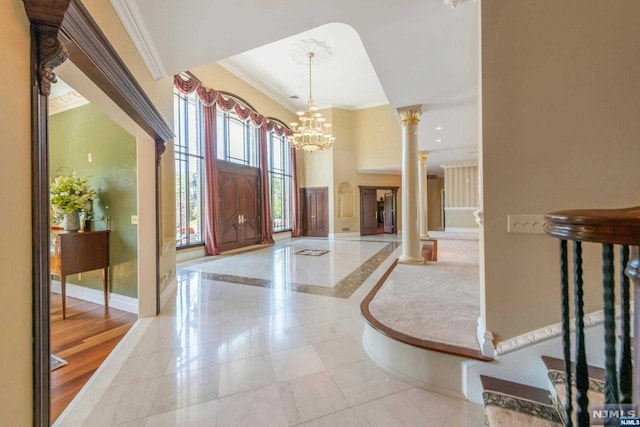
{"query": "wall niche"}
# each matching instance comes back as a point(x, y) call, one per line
point(346, 201)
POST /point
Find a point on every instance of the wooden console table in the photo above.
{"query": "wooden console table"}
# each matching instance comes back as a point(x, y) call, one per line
point(76, 252)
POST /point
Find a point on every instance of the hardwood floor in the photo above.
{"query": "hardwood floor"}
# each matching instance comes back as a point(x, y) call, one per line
point(84, 339)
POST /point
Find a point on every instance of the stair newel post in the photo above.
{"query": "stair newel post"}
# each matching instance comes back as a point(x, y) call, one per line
point(582, 373)
point(633, 271)
point(626, 367)
point(611, 376)
point(566, 329)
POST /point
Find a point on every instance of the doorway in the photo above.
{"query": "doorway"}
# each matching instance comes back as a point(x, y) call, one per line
point(87, 49)
point(239, 205)
point(315, 212)
point(378, 210)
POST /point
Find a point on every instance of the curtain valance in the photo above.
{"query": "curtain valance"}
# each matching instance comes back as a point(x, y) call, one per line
point(209, 97)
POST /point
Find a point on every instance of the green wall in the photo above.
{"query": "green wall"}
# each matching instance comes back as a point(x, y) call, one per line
point(75, 134)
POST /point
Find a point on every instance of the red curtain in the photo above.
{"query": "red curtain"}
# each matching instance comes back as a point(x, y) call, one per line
point(212, 241)
point(211, 99)
point(296, 229)
point(266, 222)
point(212, 237)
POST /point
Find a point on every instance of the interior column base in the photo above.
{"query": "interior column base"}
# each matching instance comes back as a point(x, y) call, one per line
point(410, 260)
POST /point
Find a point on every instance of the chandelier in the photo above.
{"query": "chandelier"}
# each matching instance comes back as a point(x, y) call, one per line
point(313, 133)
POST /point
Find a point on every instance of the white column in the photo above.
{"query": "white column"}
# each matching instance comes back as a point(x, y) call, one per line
point(411, 254)
point(422, 186)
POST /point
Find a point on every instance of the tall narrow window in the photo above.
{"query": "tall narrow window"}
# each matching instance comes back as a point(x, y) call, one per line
point(189, 165)
point(280, 182)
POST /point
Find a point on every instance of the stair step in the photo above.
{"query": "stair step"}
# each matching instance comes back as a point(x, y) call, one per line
point(558, 379)
point(513, 404)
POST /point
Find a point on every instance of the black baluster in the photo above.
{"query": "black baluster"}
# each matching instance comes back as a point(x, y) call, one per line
point(611, 376)
point(582, 373)
point(566, 330)
point(626, 368)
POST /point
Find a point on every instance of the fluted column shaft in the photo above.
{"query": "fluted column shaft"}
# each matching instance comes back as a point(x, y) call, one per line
point(410, 196)
point(422, 187)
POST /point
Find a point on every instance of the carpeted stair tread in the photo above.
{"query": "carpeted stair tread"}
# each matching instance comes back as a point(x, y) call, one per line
point(509, 404)
point(558, 382)
point(555, 364)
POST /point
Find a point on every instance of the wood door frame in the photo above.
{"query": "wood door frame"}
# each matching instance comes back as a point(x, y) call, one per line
point(302, 192)
point(61, 30)
point(394, 191)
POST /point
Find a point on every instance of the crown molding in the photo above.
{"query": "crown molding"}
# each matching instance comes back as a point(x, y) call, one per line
point(261, 85)
point(459, 164)
point(387, 171)
point(132, 20)
point(65, 102)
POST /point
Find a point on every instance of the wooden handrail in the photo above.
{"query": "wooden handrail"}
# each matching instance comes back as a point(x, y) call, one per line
point(616, 226)
point(608, 227)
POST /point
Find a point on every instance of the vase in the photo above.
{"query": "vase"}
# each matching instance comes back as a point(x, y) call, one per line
point(72, 221)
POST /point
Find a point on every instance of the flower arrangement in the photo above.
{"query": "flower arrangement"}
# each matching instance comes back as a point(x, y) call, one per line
point(70, 193)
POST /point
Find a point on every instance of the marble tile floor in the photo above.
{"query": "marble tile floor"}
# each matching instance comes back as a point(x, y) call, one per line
point(225, 354)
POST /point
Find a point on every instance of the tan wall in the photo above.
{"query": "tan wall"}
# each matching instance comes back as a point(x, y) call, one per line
point(377, 138)
point(167, 217)
point(461, 187)
point(15, 191)
point(560, 94)
point(344, 160)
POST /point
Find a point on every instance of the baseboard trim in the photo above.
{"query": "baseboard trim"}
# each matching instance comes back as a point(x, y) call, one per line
point(461, 230)
point(333, 236)
point(279, 237)
point(549, 332)
point(168, 292)
point(183, 255)
point(117, 301)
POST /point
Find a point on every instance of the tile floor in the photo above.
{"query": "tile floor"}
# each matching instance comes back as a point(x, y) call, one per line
point(225, 354)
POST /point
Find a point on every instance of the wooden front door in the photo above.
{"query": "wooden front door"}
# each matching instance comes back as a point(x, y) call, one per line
point(315, 212)
point(368, 211)
point(239, 189)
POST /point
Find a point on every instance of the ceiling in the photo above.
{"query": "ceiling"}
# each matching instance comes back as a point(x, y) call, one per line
point(408, 51)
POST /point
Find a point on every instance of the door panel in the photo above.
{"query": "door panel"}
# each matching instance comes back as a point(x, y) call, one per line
point(228, 217)
point(368, 210)
point(315, 212)
point(239, 205)
point(251, 216)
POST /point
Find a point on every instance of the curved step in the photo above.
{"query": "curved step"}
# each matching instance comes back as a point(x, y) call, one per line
point(428, 364)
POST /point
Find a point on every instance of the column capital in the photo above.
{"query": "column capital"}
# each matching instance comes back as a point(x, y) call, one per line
point(423, 156)
point(410, 115)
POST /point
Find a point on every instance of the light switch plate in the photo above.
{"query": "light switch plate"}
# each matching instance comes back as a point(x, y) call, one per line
point(531, 224)
point(134, 219)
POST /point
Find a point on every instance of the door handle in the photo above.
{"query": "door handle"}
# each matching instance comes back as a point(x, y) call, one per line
point(313, 216)
point(241, 219)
